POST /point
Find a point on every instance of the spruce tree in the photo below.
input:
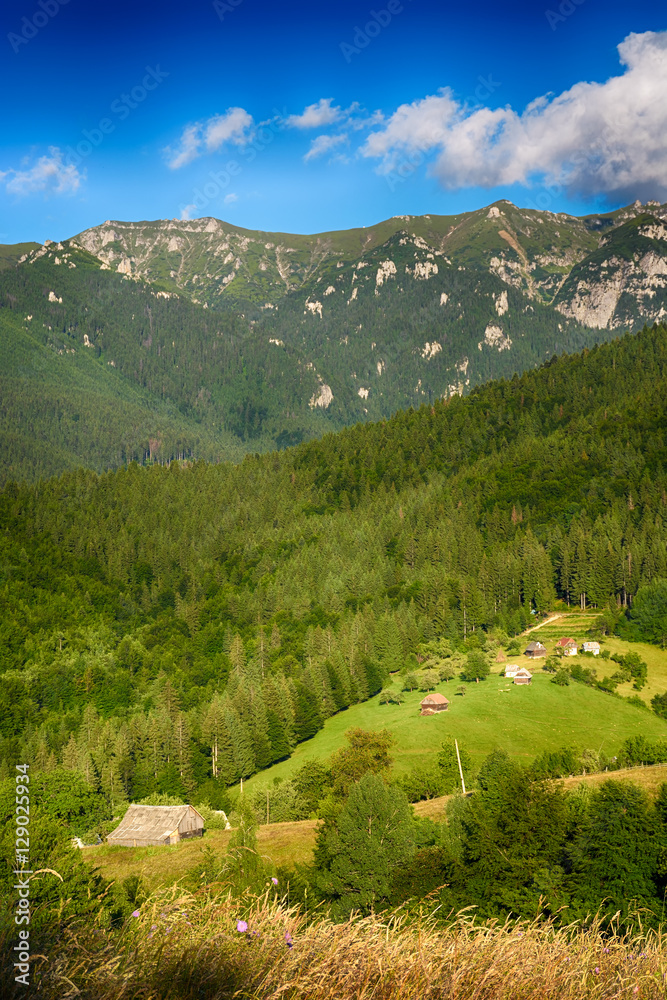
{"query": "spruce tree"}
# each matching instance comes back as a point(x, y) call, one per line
point(373, 837)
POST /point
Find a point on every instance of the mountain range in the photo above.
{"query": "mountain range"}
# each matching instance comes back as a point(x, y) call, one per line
point(151, 340)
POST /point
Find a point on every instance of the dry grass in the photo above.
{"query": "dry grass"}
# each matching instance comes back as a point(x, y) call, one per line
point(432, 808)
point(649, 778)
point(181, 948)
point(279, 844)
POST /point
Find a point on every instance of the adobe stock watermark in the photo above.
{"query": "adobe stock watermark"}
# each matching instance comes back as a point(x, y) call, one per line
point(221, 179)
point(121, 107)
point(378, 21)
point(417, 157)
point(22, 886)
point(565, 9)
point(223, 7)
point(31, 26)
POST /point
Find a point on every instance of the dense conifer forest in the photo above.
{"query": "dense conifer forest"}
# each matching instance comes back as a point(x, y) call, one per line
point(168, 627)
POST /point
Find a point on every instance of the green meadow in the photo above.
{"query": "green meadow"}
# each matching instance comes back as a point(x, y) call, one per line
point(524, 720)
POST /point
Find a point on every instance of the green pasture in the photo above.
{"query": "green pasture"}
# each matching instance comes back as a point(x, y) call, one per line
point(524, 720)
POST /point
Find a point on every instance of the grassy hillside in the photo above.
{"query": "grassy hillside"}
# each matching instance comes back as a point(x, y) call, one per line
point(494, 714)
point(10, 253)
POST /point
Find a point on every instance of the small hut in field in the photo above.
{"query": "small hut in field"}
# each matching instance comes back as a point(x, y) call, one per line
point(512, 669)
point(154, 826)
point(434, 703)
point(523, 676)
point(535, 649)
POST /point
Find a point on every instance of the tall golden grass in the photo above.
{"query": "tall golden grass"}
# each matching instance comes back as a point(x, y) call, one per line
point(185, 947)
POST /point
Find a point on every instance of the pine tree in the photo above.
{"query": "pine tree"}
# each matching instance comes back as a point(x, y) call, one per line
point(278, 739)
point(242, 748)
point(183, 752)
point(372, 838)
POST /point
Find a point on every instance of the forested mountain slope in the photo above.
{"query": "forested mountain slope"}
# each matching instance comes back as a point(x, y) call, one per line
point(215, 615)
point(98, 371)
point(230, 341)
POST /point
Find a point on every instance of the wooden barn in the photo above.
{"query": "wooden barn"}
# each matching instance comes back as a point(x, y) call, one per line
point(512, 669)
point(535, 649)
point(434, 703)
point(523, 676)
point(153, 826)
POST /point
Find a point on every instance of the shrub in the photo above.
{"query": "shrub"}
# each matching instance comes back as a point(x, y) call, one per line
point(659, 705)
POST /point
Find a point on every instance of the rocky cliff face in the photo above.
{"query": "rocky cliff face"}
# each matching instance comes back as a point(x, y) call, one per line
point(623, 283)
point(605, 272)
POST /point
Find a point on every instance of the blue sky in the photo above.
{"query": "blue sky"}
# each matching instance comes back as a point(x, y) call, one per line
point(305, 118)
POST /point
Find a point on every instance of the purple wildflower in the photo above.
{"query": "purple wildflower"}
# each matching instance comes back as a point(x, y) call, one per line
point(274, 880)
point(241, 926)
point(597, 970)
point(288, 939)
point(136, 913)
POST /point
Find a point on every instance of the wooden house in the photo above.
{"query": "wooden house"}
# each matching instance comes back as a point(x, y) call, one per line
point(153, 826)
point(523, 676)
point(591, 647)
point(568, 646)
point(512, 669)
point(535, 649)
point(434, 703)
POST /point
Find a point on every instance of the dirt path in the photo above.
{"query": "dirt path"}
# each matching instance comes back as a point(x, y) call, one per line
point(547, 621)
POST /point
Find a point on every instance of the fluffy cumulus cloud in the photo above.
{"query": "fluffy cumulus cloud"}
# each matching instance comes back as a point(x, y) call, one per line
point(596, 138)
point(235, 127)
point(324, 144)
point(49, 174)
point(315, 115)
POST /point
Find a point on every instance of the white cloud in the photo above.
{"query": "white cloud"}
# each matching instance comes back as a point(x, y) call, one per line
point(323, 143)
point(315, 115)
point(230, 198)
point(189, 149)
point(49, 174)
point(187, 212)
point(596, 138)
point(422, 125)
point(234, 127)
